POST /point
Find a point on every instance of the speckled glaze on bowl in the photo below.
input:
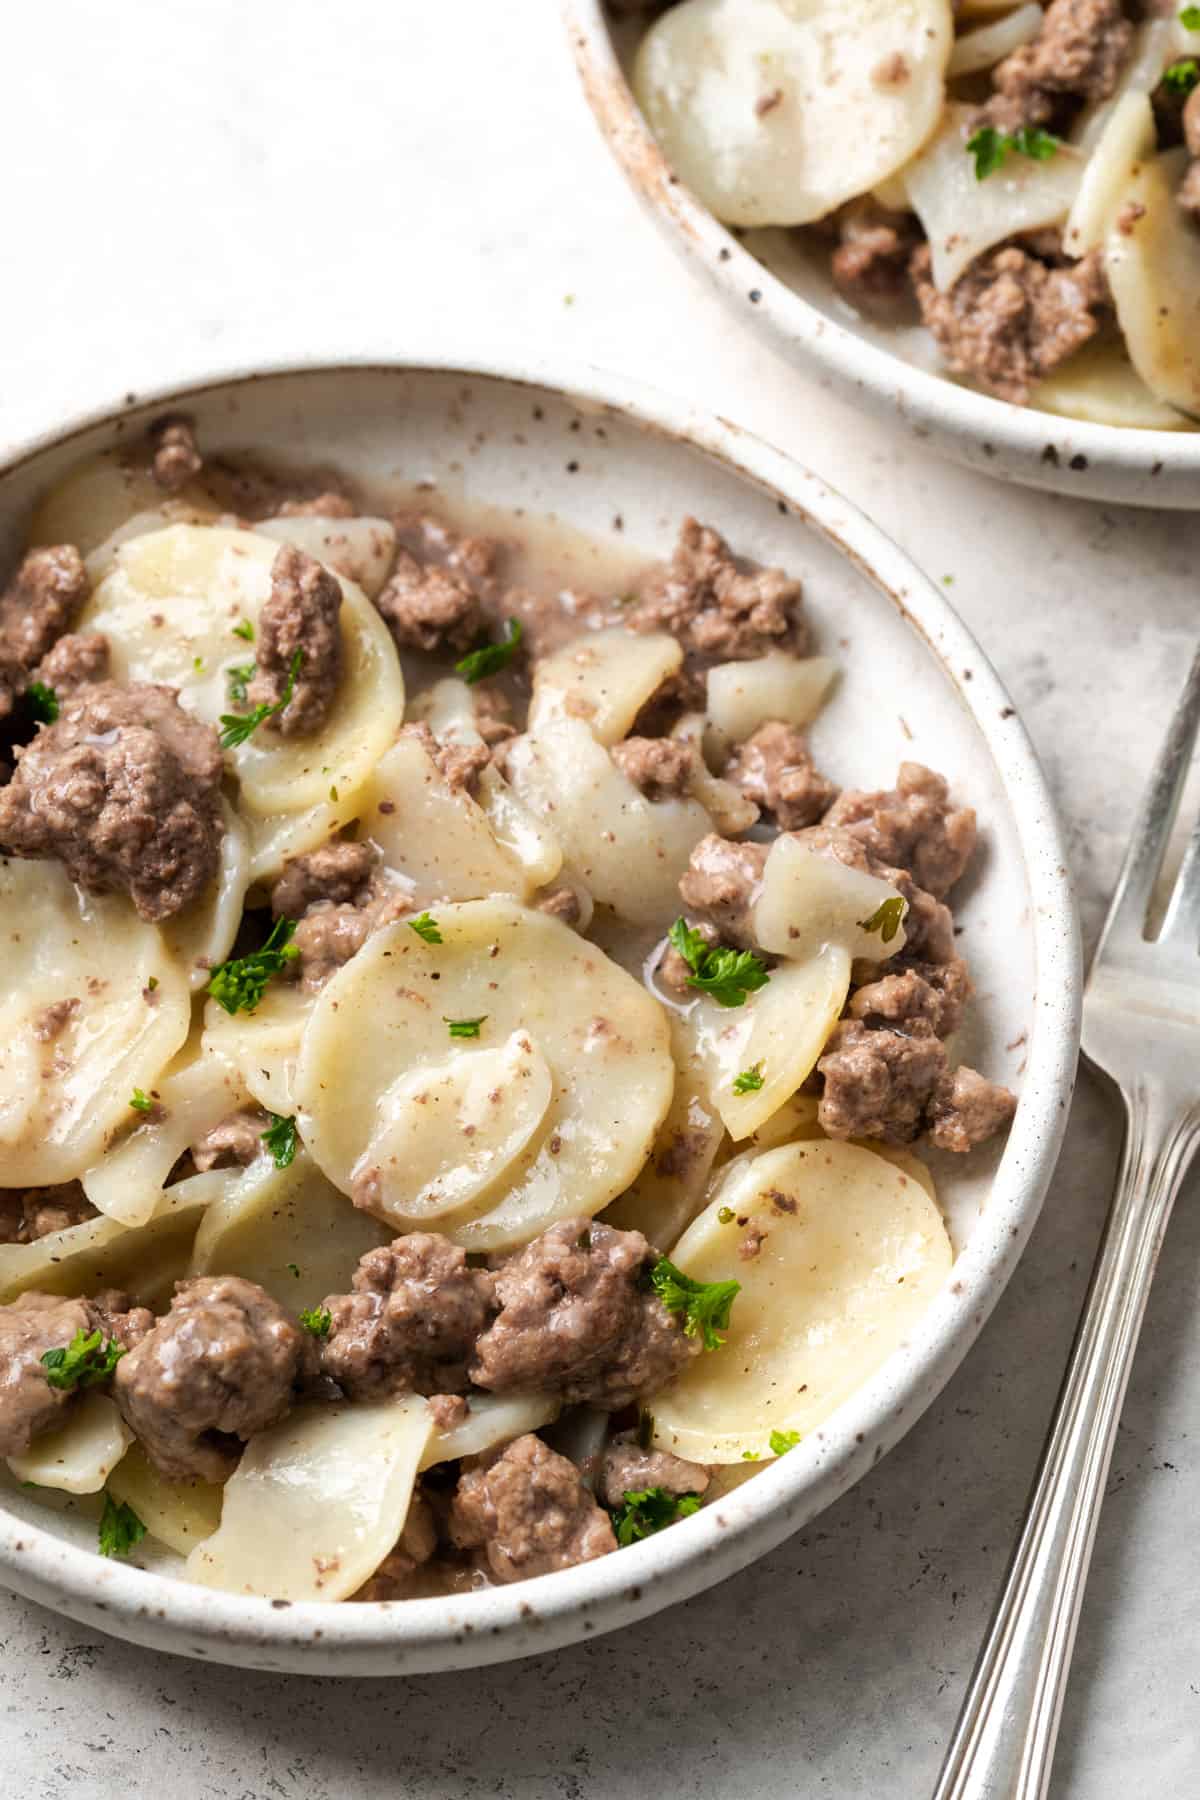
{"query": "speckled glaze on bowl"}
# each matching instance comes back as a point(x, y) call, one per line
point(786, 299)
point(606, 456)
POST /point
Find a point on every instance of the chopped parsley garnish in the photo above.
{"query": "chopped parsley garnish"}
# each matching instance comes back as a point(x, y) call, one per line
point(704, 1305)
point(1182, 76)
point(749, 1081)
point(141, 1101)
point(43, 701)
point(647, 1510)
point(728, 975)
point(239, 986)
point(240, 675)
point(280, 1140)
point(237, 727)
point(87, 1359)
point(489, 659)
point(120, 1528)
point(991, 148)
point(726, 1216)
point(783, 1441)
point(886, 919)
point(1189, 18)
point(464, 1028)
point(426, 929)
point(244, 629)
point(317, 1320)
point(294, 1269)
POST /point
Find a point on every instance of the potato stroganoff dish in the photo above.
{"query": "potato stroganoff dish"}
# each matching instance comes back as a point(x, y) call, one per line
point(1022, 178)
point(460, 1057)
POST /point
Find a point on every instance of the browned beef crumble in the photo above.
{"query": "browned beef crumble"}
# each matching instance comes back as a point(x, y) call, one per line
point(40, 604)
point(27, 1214)
point(233, 1142)
point(176, 460)
point(223, 1364)
point(493, 716)
point(339, 898)
point(879, 1082)
point(411, 1323)
point(75, 661)
point(775, 769)
point(563, 903)
point(124, 789)
point(527, 1511)
point(722, 882)
point(576, 1317)
point(967, 1109)
point(431, 607)
point(925, 992)
point(33, 1324)
point(327, 505)
point(338, 873)
point(717, 608)
point(459, 765)
point(1077, 56)
point(628, 1469)
point(870, 264)
point(301, 617)
point(661, 767)
point(448, 1411)
point(1011, 318)
point(914, 826)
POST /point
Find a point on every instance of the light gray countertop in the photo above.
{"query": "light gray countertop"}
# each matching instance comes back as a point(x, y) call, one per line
point(191, 185)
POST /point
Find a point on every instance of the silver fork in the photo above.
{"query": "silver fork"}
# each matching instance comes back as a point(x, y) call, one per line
point(1141, 1027)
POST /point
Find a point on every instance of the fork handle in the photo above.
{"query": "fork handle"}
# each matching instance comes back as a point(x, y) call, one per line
point(1003, 1744)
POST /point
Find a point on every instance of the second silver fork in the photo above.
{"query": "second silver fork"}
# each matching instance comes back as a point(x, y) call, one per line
point(1141, 1027)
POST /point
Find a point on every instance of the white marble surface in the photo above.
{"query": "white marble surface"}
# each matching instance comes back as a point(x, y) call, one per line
point(189, 185)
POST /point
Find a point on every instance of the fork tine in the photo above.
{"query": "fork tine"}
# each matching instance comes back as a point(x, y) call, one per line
point(1182, 922)
point(1143, 859)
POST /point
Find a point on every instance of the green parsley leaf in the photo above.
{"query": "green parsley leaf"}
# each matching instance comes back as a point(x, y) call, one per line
point(237, 727)
point(43, 702)
point(280, 1140)
point(647, 1510)
point(87, 1359)
point(141, 1101)
point(1189, 18)
point(991, 148)
point(426, 928)
point(239, 986)
point(120, 1528)
point(464, 1028)
point(705, 1305)
point(1182, 76)
point(726, 1216)
point(294, 1269)
point(783, 1441)
point(749, 1456)
point(749, 1081)
point(317, 1320)
point(886, 919)
point(728, 975)
point(244, 629)
point(239, 676)
point(489, 659)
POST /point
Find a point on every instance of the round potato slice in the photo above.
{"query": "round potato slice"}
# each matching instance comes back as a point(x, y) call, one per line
point(669, 1191)
point(1152, 258)
point(263, 1045)
point(386, 1016)
point(492, 1419)
point(172, 609)
point(103, 1253)
point(103, 501)
point(850, 1254)
point(180, 1514)
point(1101, 385)
point(201, 936)
point(1127, 139)
point(65, 1089)
point(808, 900)
point(79, 1457)
point(744, 695)
point(315, 1504)
point(290, 1230)
point(604, 678)
point(776, 111)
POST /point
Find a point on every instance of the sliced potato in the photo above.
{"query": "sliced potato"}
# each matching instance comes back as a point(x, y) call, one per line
point(807, 900)
point(964, 217)
point(80, 1455)
point(288, 1229)
point(103, 1253)
point(263, 1046)
point(64, 1098)
point(1152, 258)
point(604, 678)
point(983, 48)
point(202, 934)
point(629, 852)
point(278, 836)
point(668, 1192)
point(725, 804)
point(744, 695)
point(492, 1419)
point(852, 1253)
point(385, 1015)
point(315, 1504)
point(103, 501)
point(1100, 384)
point(180, 1514)
point(1128, 138)
point(199, 582)
point(776, 111)
point(360, 549)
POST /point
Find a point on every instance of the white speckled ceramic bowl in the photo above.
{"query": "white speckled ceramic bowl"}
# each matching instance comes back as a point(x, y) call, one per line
point(594, 451)
point(785, 295)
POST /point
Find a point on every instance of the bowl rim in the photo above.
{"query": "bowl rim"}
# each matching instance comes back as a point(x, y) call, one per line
point(551, 1611)
point(933, 405)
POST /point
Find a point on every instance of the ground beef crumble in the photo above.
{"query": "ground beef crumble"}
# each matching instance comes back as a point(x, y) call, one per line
point(1077, 56)
point(870, 264)
point(527, 1511)
point(234, 1142)
point(774, 768)
point(913, 826)
point(33, 1324)
point(77, 659)
point(176, 460)
point(430, 607)
point(412, 1321)
point(40, 604)
point(627, 1468)
point(301, 617)
point(338, 897)
point(718, 609)
point(27, 1214)
point(661, 767)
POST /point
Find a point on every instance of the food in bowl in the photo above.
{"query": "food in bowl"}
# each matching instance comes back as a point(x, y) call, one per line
point(1023, 180)
point(462, 1057)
